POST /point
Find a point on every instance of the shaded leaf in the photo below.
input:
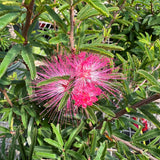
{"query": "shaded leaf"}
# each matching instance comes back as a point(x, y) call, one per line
point(10, 56)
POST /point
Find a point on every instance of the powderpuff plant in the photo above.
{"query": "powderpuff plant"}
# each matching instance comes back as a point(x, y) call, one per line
point(73, 82)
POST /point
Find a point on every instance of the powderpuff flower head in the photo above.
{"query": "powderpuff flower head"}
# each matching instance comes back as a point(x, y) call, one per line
point(75, 81)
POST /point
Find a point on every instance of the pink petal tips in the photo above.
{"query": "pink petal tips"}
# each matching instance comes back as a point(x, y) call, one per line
point(89, 76)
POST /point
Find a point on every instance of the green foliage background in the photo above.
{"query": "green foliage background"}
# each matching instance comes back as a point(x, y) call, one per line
point(128, 31)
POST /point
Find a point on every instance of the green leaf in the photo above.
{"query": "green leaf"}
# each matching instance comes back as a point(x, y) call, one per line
point(63, 101)
point(56, 17)
point(29, 131)
point(73, 135)
point(30, 110)
point(53, 79)
point(86, 12)
point(53, 143)
point(46, 155)
point(58, 39)
point(3, 129)
point(58, 135)
point(11, 54)
point(8, 18)
point(104, 46)
point(97, 4)
point(28, 57)
point(24, 117)
point(105, 110)
point(89, 48)
point(12, 148)
point(148, 77)
point(150, 117)
point(22, 149)
point(155, 89)
point(92, 114)
point(94, 142)
point(101, 151)
point(109, 129)
point(75, 155)
point(104, 126)
point(33, 140)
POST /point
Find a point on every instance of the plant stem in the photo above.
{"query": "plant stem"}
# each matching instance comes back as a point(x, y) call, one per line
point(6, 96)
point(115, 15)
point(28, 21)
point(139, 104)
point(131, 146)
point(72, 27)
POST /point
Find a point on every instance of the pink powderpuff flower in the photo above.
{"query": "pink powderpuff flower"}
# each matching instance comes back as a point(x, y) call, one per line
point(89, 76)
point(52, 93)
point(93, 71)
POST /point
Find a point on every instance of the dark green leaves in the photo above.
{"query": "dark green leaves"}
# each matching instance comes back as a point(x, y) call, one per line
point(7, 18)
point(28, 57)
point(10, 56)
point(73, 135)
point(148, 76)
point(56, 17)
point(97, 4)
point(53, 79)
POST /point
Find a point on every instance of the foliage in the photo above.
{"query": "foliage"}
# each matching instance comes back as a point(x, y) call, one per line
point(126, 31)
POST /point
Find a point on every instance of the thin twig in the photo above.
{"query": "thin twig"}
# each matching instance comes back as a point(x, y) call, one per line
point(132, 147)
point(138, 105)
point(6, 96)
point(72, 27)
point(115, 15)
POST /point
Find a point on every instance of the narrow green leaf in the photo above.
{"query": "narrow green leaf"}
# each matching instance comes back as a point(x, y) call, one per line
point(24, 117)
point(104, 46)
point(29, 130)
point(155, 89)
point(46, 155)
point(73, 135)
point(8, 18)
point(56, 17)
point(28, 57)
point(151, 117)
point(58, 135)
point(30, 110)
point(53, 79)
point(12, 149)
point(11, 54)
point(33, 140)
point(109, 129)
point(101, 151)
point(22, 149)
point(92, 49)
point(97, 4)
point(3, 129)
point(154, 141)
point(105, 110)
point(53, 143)
point(86, 12)
point(94, 142)
point(104, 126)
point(63, 101)
point(148, 77)
point(92, 114)
point(75, 155)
